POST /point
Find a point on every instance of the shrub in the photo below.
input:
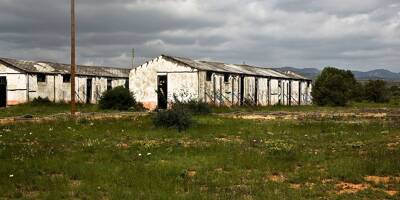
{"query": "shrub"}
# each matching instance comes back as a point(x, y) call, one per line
point(119, 98)
point(178, 117)
point(40, 101)
point(334, 87)
point(377, 91)
point(194, 106)
point(197, 107)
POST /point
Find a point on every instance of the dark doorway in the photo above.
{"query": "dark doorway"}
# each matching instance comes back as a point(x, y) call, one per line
point(3, 92)
point(290, 93)
point(241, 90)
point(89, 90)
point(299, 94)
point(256, 92)
point(162, 91)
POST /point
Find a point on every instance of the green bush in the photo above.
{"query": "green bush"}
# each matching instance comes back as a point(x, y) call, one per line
point(177, 117)
point(377, 91)
point(197, 107)
point(194, 106)
point(334, 87)
point(119, 98)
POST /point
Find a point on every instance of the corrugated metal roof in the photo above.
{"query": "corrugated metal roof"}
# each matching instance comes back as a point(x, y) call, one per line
point(235, 69)
point(59, 68)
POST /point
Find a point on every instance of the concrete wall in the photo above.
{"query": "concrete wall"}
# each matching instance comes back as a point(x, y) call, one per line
point(16, 85)
point(56, 90)
point(20, 84)
point(182, 81)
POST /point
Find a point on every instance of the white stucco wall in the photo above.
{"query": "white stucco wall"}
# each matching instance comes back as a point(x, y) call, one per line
point(16, 85)
point(181, 79)
point(53, 88)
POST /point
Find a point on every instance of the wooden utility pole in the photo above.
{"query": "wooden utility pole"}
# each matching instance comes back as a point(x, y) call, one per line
point(73, 59)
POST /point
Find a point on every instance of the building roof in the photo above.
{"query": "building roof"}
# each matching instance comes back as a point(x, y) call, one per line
point(235, 68)
point(59, 68)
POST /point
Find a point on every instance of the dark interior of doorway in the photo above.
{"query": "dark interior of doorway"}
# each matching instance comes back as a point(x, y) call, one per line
point(162, 90)
point(89, 90)
point(3, 92)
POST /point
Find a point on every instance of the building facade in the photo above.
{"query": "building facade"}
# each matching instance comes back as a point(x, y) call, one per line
point(22, 81)
point(158, 82)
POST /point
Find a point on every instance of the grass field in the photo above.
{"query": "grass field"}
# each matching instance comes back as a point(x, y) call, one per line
point(51, 109)
point(218, 158)
point(43, 109)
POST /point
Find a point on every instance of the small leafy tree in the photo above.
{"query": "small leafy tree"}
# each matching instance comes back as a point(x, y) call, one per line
point(334, 87)
point(358, 92)
point(377, 91)
point(119, 98)
point(395, 91)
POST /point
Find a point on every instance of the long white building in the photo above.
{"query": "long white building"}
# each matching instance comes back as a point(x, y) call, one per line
point(156, 82)
point(21, 81)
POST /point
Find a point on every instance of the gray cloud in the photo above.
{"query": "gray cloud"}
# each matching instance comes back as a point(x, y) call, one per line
point(306, 33)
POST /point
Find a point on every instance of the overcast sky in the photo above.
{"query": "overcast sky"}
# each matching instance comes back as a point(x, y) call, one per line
point(356, 34)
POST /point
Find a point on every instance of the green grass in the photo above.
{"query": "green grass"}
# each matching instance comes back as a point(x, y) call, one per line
point(218, 158)
point(43, 109)
point(52, 108)
point(354, 106)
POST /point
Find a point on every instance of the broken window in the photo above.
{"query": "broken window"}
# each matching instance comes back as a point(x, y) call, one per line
point(109, 84)
point(41, 78)
point(209, 76)
point(66, 78)
point(226, 78)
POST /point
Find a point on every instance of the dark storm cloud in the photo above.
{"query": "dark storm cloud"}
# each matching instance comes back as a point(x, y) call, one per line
point(310, 33)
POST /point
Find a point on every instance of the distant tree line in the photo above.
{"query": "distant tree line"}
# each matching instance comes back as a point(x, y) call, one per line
point(336, 87)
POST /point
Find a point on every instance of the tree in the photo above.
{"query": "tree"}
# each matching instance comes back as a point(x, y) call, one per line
point(377, 91)
point(395, 91)
point(334, 87)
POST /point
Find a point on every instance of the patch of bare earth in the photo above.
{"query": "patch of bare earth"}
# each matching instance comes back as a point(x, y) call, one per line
point(295, 186)
point(74, 183)
point(378, 179)
point(348, 116)
point(385, 180)
point(235, 139)
point(393, 145)
point(348, 188)
point(31, 194)
point(276, 178)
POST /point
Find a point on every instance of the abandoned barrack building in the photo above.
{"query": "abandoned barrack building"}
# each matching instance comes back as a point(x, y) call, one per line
point(157, 82)
point(21, 81)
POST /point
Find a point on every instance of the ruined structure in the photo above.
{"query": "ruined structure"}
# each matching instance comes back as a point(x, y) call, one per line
point(156, 82)
point(22, 81)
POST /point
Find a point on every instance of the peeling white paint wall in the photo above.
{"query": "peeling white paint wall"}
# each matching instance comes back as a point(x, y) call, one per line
point(182, 80)
point(189, 83)
point(20, 84)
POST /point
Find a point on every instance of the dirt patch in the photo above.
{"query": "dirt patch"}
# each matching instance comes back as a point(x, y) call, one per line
point(378, 179)
point(295, 186)
point(276, 178)
point(393, 145)
point(74, 183)
point(382, 179)
point(235, 139)
point(347, 188)
point(391, 192)
point(323, 115)
point(191, 173)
